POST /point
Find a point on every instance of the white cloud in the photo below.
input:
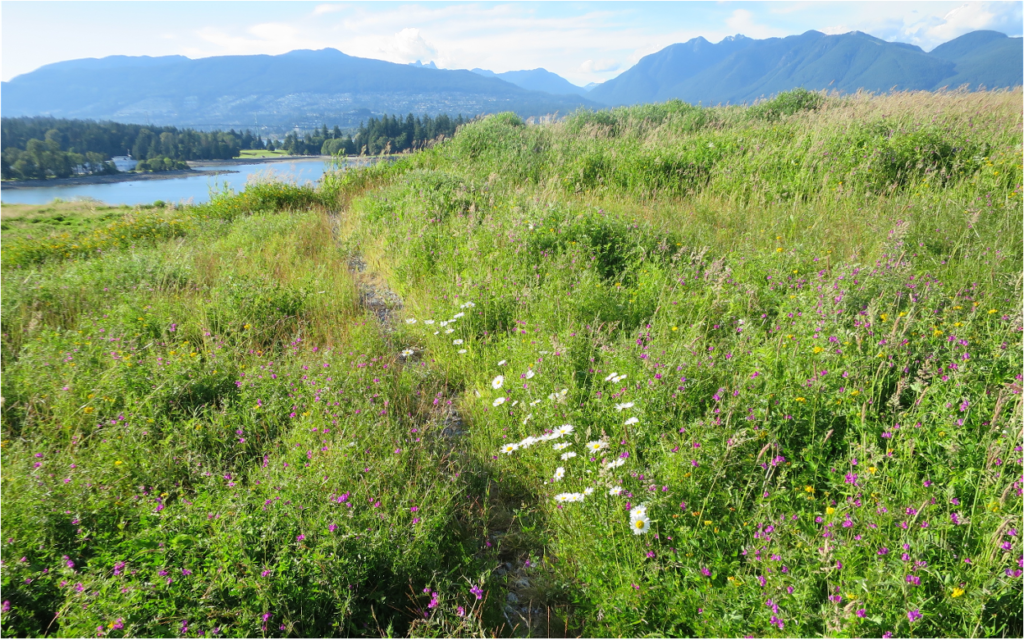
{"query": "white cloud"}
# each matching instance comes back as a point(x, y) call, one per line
point(971, 17)
point(742, 21)
point(407, 46)
point(322, 9)
point(268, 37)
point(603, 65)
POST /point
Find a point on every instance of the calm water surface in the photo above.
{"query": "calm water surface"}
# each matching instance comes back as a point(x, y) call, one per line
point(195, 189)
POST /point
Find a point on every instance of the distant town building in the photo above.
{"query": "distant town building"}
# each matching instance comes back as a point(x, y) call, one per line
point(124, 163)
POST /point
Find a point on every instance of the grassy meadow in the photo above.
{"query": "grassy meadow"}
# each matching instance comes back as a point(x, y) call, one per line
point(653, 371)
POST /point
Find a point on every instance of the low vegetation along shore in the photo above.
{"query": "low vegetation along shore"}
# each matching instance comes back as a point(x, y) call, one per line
point(653, 371)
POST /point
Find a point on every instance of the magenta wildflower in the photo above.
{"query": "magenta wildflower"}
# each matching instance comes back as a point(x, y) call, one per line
point(914, 615)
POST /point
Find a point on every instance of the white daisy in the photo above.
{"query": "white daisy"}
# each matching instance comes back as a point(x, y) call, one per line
point(462, 351)
point(497, 382)
point(502, 363)
point(458, 315)
point(596, 445)
point(559, 473)
point(610, 377)
point(527, 441)
point(565, 429)
point(638, 510)
point(457, 341)
point(625, 405)
point(428, 322)
point(449, 330)
point(614, 491)
point(515, 402)
point(563, 497)
point(562, 445)
point(527, 419)
point(618, 462)
point(444, 323)
point(632, 420)
point(509, 448)
point(529, 374)
point(576, 497)
point(588, 491)
point(619, 378)
point(498, 402)
point(568, 454)
point(407, 352)
point(534, 402)
point(410, 320)
point(639, 524)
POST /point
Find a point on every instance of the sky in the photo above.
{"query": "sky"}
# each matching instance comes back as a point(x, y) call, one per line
point(581, 41)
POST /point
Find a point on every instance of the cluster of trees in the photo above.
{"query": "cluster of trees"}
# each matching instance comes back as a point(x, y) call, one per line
point(389, 134)
point(43, 147)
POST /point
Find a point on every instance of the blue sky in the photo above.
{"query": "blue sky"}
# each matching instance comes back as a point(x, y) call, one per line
point(581, 41)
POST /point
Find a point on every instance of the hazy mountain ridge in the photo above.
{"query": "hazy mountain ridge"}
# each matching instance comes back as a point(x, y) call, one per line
point(325, 85)
point(536, 80)
point(741, 69)
point(311, 87)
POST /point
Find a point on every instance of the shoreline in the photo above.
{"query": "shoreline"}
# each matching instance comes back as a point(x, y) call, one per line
point(75, 181)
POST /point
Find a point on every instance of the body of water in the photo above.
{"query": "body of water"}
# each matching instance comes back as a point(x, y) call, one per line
point(195, 188)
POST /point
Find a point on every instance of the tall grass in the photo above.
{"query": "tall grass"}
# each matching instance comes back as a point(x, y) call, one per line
point(791, 332)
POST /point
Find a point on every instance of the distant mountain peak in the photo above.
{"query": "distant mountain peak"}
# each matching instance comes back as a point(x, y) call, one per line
point(428, 65)
point(739, 69)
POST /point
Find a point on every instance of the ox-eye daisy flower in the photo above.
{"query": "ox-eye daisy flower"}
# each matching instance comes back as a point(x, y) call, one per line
point(588, 491)
point(410, 320)
point(614, 491)
point(407, 352)
point(639, 524)
point(565, 429)
point(498, 402)
point(503, 363)
point(529, 374)
point(596, 445)
point(559, 473)
point(509, 448)
point(563, 497)
point(561, 445)
point(457, 341)
point(497, 382)
point(624, 405)
point(428, 322)
point(568, 454)
point(632, 420)
point(610, 377)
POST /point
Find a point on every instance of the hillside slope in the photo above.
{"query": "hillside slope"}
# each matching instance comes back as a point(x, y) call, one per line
point(300, 86)
point(739, 69)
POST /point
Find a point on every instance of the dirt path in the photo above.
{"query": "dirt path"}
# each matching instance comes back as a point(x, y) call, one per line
point(524, 616)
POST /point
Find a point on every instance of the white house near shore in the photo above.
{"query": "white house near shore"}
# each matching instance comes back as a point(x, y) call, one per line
point(124, 163)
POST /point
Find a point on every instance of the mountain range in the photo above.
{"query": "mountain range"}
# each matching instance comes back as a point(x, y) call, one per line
point(299, 87)
point(741, 70)
point(306, 88)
